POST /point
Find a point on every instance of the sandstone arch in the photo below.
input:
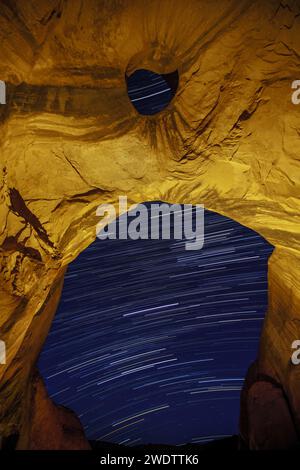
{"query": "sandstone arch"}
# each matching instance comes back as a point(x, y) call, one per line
point(70, 139)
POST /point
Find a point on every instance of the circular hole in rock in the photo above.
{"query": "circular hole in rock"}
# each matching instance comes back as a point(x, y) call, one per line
point(151, 92)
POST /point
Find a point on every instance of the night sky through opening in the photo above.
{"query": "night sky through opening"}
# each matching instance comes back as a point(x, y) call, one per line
point(151, 92)
point(151, 343)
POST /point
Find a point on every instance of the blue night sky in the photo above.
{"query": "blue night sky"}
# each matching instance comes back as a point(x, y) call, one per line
point(151, 342)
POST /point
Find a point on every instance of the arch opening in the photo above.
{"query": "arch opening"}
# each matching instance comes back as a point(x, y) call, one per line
point(151, 343)
point(151, 92)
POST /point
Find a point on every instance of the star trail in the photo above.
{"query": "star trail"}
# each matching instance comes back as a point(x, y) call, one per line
point(151, 342)
point(151, 92)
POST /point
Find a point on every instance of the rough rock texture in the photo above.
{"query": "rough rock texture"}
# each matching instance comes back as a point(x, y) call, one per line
point(50, 426)
point(270, 423)
point(70, 140)
point(266, 420)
